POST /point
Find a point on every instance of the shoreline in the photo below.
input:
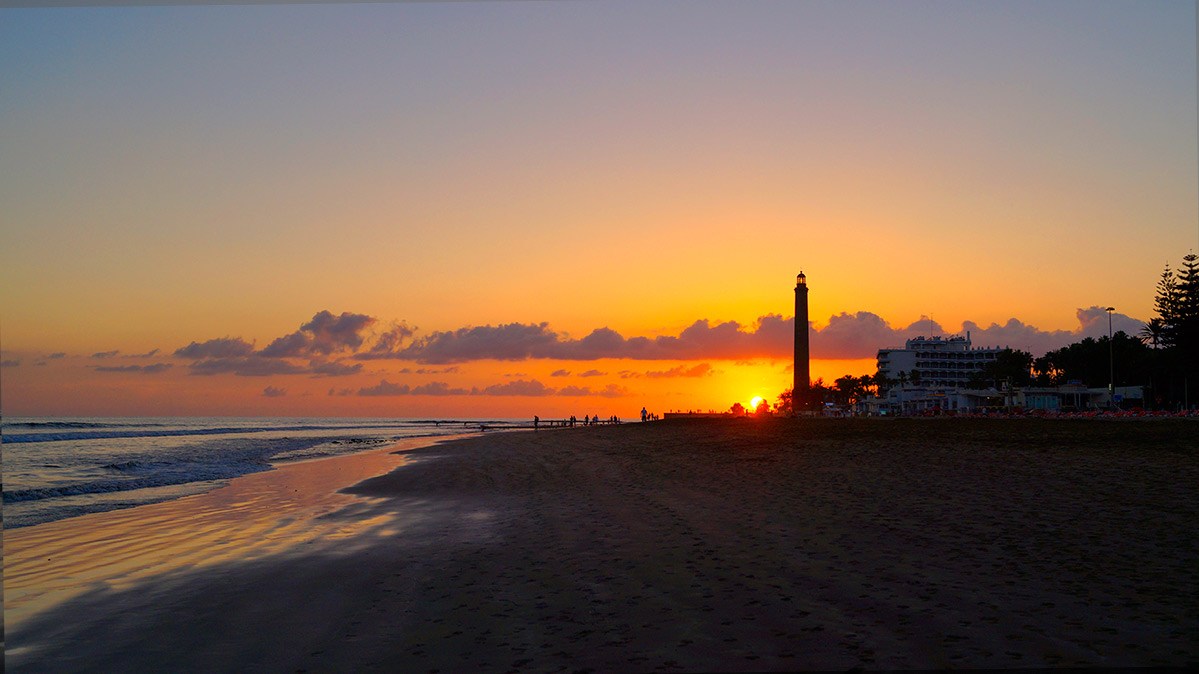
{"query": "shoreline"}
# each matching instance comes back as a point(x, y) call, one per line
point(714, 546)
point(243, 519)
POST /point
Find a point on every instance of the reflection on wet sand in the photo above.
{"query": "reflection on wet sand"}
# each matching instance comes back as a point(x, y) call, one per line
point(298, 506)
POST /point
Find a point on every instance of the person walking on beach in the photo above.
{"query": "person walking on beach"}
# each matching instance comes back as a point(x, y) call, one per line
point(536, 421)
point(644, 414)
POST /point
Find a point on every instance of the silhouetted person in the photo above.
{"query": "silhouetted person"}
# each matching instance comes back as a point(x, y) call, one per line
point(536, 421)
point(644, 414)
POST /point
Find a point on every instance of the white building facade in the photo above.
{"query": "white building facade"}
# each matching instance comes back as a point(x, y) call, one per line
point(935, 361)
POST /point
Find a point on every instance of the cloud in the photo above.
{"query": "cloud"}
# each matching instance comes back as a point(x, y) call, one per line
point(105, 354)
point(56, 355)
point(531, 388)
point(438, 388)
point(682, 371)
point(385, 388)
point(333, 368)
point(272, 392)
point(513, 341)
point(845, 335)
point(520, 387)
point(858, 335)
point(341, 392)
point(154, 368)
point(610, 391)
point(390, 342)
point(246, 366)
point(699, 370)
point(862, 334)
point(222, 348)
point(11, 362)
point(325, 334)
point(516, 341)
point(149, 354)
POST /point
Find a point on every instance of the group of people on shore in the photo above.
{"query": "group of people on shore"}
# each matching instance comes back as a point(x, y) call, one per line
point(594, 420)
point(571, 421)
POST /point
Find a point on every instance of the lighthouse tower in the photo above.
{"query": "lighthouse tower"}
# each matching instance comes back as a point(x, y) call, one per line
point(802, 375)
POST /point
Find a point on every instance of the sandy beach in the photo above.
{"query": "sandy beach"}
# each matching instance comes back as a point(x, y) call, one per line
point(689, 546)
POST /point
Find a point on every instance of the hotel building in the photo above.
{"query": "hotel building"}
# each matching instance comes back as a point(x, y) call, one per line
point(936, 361)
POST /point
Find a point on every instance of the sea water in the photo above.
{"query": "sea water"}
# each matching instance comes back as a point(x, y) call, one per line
point(56, 468)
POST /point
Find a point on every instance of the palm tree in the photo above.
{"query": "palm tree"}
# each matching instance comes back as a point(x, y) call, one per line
point(1153, 331)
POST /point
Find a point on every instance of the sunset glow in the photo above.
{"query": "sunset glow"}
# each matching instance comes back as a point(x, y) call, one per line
point(587, 208)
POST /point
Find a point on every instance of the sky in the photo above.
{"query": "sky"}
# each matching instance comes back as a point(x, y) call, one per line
point(501, 209)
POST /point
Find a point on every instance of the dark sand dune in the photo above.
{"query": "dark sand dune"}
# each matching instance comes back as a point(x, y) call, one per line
point(721, 545)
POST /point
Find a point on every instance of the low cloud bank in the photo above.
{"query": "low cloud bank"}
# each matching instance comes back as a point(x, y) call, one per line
point(335, 345)
point(857, 335)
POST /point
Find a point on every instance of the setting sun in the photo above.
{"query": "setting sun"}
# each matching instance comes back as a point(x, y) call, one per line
point(753, 404)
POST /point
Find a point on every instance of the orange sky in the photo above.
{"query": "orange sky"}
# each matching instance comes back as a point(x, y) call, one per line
point(171, 175)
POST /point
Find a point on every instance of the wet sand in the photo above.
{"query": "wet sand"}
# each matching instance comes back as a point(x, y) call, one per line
point(695, 546)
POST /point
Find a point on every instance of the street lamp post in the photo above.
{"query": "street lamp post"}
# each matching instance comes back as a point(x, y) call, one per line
point(1111, 361)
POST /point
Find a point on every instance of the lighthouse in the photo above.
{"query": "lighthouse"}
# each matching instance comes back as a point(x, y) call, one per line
point(803, 380)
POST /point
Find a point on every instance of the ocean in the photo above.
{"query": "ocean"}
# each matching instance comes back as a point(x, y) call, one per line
point(55, 468)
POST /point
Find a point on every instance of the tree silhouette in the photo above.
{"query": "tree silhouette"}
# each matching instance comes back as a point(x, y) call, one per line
point(784, 406)
point(1010, 366)
point(1087, 361)
point(1174, 373)
point(1153, 332)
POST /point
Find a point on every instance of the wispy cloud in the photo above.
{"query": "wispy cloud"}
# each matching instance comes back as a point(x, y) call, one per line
point(223, 347)
point(154, 368)
point(246, 366)
point(390, 342)
point(609, 391)
point(520, 387)
point(149, 354)
point(700, 370)
point(273, 392)
point(333, 368)
point(438, 388)
point(385, 388)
